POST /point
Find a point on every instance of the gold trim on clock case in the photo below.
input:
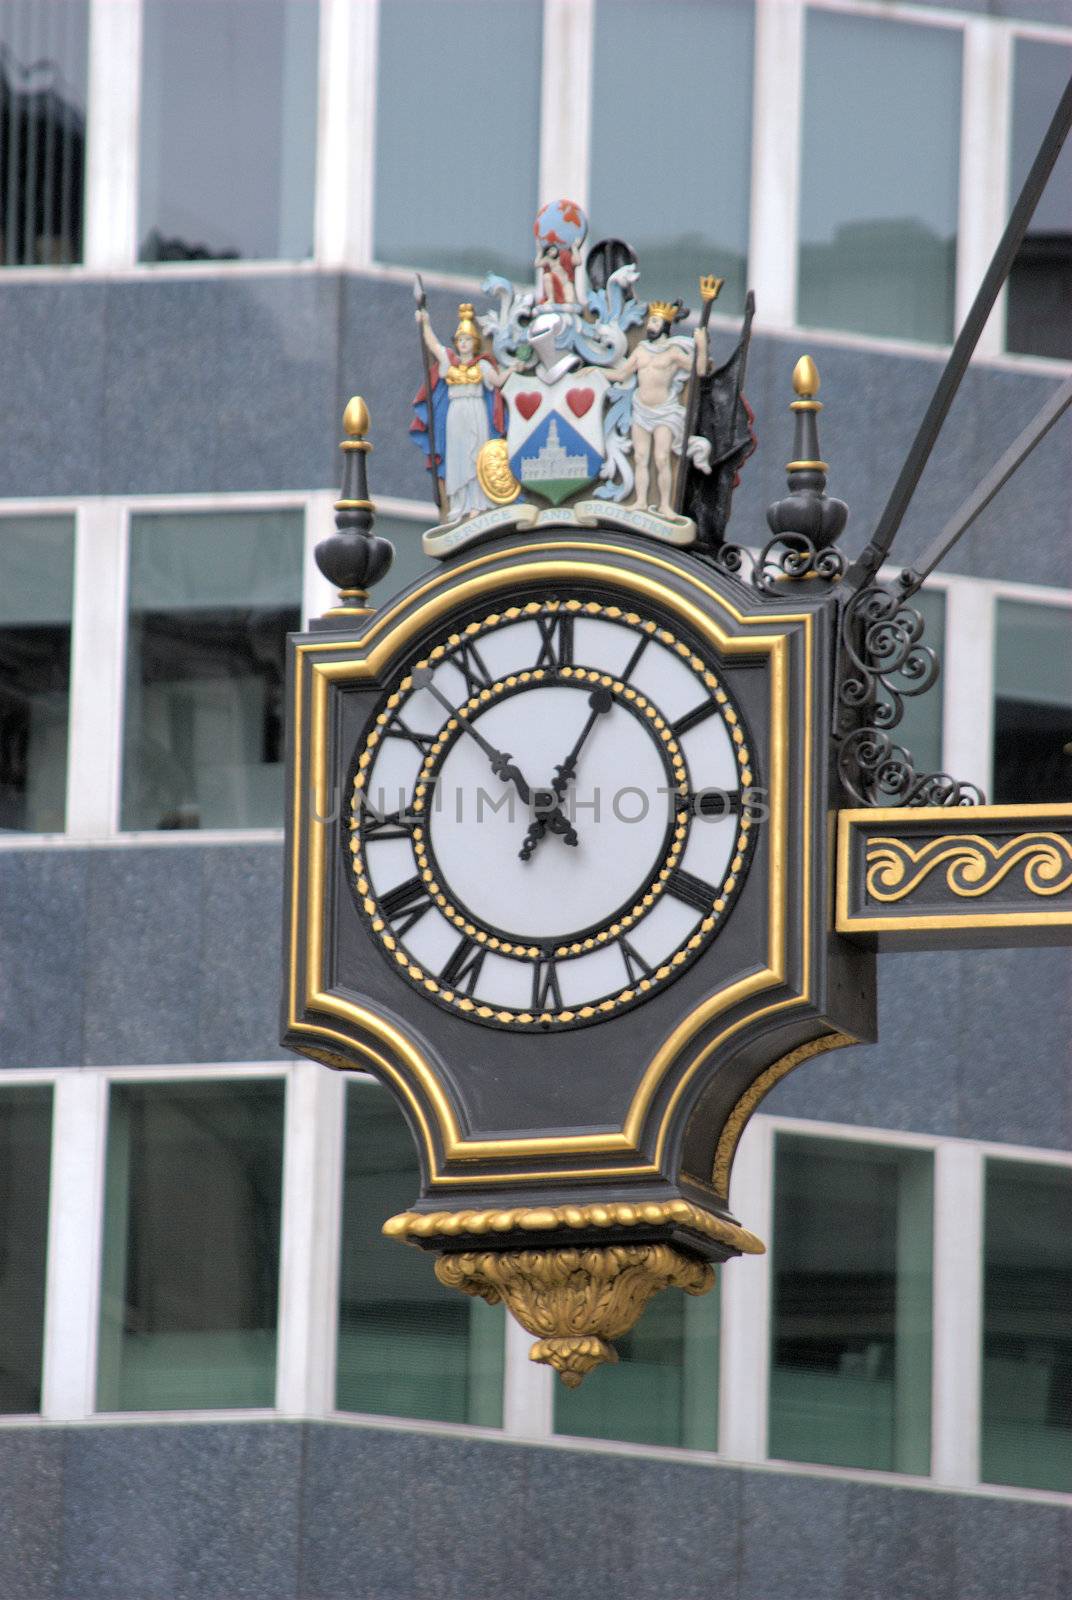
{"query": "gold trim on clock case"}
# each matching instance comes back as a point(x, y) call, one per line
point(384, 635)
point(411, 1225)
point(738, 1118)
point(975, 865)
point(451, 730)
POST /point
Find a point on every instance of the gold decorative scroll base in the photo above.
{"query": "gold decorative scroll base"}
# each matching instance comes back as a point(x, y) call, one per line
point(575, 1301)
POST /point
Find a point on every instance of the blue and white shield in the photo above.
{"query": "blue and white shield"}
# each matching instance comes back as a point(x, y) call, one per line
point(555, 438)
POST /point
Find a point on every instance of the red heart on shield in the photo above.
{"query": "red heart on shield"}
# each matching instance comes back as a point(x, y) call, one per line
point(528, 404)
point(580, 401)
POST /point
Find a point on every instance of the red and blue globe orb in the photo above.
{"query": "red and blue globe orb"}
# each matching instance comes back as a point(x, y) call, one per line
point(562, 223)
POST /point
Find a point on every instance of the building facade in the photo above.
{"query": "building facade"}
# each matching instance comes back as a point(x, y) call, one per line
point(216, 1379)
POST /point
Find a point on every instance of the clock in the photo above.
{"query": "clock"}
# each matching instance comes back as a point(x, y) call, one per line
point(553, 810)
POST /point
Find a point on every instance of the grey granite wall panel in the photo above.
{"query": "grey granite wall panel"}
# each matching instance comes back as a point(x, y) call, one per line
point(43, 896)
point(31, 1499)
point(241, 954)
point(166, 384)
point(181, 1512)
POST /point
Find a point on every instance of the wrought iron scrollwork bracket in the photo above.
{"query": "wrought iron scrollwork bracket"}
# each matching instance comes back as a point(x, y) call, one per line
point(882, 662)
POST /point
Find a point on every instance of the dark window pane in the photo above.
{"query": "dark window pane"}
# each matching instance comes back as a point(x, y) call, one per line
point(228, 129)
point(458, 142)
point(408, 1347)
point(1032, 703)
point(851, 1334)
point(25, 1142)
point(211, 601)
point(664, 1389)
point(191, 1246)
point(681, 226)
point(1040, 284)
point(879, 176)
point(410, 560)
point(43, 53)
point(36, 580)
point(1027, 1327)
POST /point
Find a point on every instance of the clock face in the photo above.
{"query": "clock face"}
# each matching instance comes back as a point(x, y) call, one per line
point(548, 822)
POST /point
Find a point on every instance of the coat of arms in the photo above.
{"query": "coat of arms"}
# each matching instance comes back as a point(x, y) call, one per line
point(576, 391)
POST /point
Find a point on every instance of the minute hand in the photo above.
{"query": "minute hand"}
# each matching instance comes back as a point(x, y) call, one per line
point(600, 701)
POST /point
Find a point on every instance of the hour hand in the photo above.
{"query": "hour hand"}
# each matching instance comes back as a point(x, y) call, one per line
point(502, 762)
point(548, 817)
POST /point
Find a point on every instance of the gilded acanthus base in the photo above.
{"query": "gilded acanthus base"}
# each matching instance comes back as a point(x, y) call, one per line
point(575, 1301)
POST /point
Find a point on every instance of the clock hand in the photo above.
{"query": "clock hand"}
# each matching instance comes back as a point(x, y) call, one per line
point(600, 701)
point(502, 762)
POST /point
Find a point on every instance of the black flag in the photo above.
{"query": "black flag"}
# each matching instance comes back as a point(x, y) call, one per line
point(724, 418)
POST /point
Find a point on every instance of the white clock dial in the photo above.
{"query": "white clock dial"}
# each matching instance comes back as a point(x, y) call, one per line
point(550, 813)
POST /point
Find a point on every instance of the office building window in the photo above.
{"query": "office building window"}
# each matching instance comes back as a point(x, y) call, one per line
point(191, 1246)
point(661, 178)
point(1039, 320)
point(1032, 703)
point(228, 129)
point(879, 176)
point(410, 560)
point(920, 729)
point(43, 55)
point(665, 1388)
point(212, 597)
point(851, 1316)
point(36, 582)
point(457, 153)
point(25, 1141)
point(408, 1347)
point(1027, 1326)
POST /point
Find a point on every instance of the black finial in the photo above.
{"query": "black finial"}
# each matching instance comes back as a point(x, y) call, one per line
point(353, 557)
point(806, 510)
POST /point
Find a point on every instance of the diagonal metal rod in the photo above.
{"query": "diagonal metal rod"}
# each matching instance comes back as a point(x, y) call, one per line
point(874, 553)
point(913, 577)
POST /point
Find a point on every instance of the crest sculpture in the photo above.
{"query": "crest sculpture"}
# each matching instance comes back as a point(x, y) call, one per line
point(622, 819)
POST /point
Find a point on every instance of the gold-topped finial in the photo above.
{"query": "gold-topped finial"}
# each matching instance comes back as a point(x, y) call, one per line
point(355, 419)
point(806, 378)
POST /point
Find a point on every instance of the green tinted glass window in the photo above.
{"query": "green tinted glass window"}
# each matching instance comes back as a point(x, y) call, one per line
point(25, 1143)
point(212, 597)
point(191, 1246)
point(408, 1347)
point(851, 1313)
point(664, 1389)
point(36, 586)
point(1032, 703)
point(1039, 318)
point(1027, 1326)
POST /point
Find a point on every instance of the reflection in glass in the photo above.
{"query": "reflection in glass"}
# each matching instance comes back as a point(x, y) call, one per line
point(212, 597)
point(25, 1142)
point(851, 1335)
point(457, 152)
point(879, 176)
point(672, 141)
point(408, 1347)
point(664, 1389)
point(1039, 319)
point(191, 1246)
point(410, 560)
point(1027, 1326)
point(920, 729)
point(1032, 703)
point(228, 129)
point(36, 582)
point(43, 54)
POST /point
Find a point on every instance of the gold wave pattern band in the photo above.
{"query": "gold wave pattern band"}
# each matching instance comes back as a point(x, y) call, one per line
point(974, 865)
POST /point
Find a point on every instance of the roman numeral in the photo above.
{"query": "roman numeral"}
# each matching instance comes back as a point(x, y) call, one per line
point(691, 890)
point(399, 730)
point(693, 718)
point(635, 965)
point(377, 827)
point(634, 660)
point(405, 904)
point(545, 985)
point(462, 970)
point(467, 660)
point(710, 802)
point(556, 640)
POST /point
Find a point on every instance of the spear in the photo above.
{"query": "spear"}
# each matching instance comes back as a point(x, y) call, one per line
point(438, 495)
point(709, 292)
